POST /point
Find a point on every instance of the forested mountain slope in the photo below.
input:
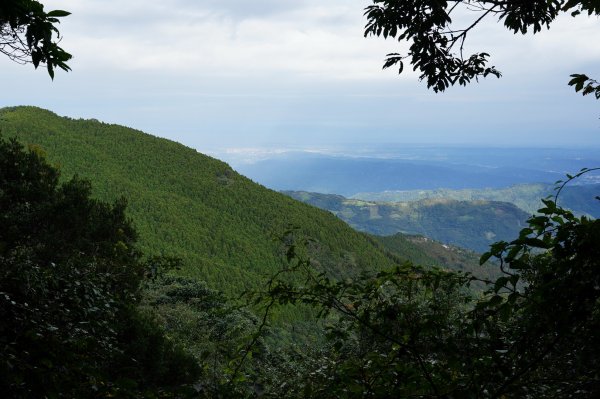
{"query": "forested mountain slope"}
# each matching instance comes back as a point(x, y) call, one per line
point(189, 205)
point(468, 224)
point(425, 251)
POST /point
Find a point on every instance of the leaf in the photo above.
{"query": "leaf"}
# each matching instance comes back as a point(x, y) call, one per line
point(514, 251)
point(525, 232)
point(514, 279)
point(495, 301)
point(58, 13)
point(484, 258)
point(501, 283)
point(505, 312)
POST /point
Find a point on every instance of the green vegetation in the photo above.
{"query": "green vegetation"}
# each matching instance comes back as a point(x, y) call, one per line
point(425, 251)
point(70, 275)
point(184, 204)
point(73, 325)
point(187, 205)
point(78, 318)
point(468, 224)
point(84, 314)
point(416, 332)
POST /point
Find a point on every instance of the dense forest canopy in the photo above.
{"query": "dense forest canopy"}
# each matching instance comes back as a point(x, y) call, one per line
point(404, 331)
point(70, 276)
point(185, 204)
point(84, 314)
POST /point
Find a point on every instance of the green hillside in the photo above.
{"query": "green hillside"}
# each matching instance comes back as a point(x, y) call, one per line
point(423, 250)
point(468, 224)
point(189, 205)
point(68, 260)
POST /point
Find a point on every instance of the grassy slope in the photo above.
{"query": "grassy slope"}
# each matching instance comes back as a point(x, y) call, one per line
point(468, 224)
point(190, 205)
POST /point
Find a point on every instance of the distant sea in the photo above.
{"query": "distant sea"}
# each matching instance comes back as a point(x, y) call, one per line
point(395, 167)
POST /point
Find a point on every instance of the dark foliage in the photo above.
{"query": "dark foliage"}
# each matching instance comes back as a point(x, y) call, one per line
point(69, 282)
point(420, 332)
point(437, 45)
point(27, 34)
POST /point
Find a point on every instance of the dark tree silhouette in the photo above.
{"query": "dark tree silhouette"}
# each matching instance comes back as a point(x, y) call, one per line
point(28, 34)
point(437, 44)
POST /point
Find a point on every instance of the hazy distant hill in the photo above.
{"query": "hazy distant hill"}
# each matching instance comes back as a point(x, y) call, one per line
point(186, 204)
point(468, 224)
point(348, 176)
point(579, 198)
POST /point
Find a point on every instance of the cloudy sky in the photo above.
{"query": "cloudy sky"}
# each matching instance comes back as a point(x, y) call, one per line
point(217, 74)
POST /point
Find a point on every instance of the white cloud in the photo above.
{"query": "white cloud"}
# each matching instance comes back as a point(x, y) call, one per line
point(285, 37)
point(306, 38)
point(298, 70)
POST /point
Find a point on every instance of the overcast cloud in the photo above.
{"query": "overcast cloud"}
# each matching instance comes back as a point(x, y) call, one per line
point(233, 73)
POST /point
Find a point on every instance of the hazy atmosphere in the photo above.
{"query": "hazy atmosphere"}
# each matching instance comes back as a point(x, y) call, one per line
point(225, 74)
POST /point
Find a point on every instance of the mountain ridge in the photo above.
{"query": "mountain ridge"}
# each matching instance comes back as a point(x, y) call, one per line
point(468, 224)
point(527, 196)
point(226, 228)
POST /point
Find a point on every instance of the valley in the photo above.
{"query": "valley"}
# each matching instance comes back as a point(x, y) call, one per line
point(239, 286)
point(469, 224)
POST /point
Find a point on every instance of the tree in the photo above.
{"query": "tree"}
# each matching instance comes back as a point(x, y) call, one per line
point(69, 285)
point(28, 34)
point(549, 297)
point(412, 331)
point(437, 45)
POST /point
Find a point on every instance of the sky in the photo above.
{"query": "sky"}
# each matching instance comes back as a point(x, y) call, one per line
point(225, 75)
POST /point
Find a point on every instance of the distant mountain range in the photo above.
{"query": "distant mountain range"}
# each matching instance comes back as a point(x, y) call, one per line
point(468, 224)
point(579, 198)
